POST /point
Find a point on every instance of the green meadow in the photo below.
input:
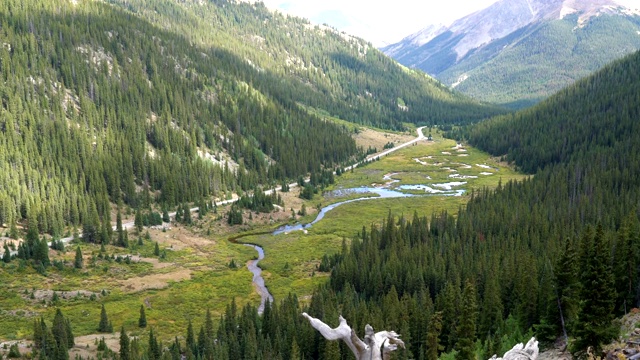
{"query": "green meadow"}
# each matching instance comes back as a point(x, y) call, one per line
point(291, 259)
point(192, 276)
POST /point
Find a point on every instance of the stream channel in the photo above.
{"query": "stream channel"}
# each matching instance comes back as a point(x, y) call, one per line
point(383, 193)
point(258, 280)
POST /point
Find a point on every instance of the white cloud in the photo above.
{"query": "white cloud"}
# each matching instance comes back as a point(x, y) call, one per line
point(386, 21)
point(381, 22)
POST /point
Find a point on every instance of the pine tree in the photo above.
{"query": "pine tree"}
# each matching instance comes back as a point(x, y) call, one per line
point(142, 321)
point(433, 336)
point(104, 326)
point(448, 301)
point(42, 253)
point(186, 217)
point(595, 325)
point(191, 340)
point(13, 231)
point(135, 349)
point(59, 332)
point(6, 258)
point(564, 304)
point(156, 250)
point(38, 333)
point(49, 346)
point(154, 348)
point(120, 230)
point(125, 353)
point(70, 337)
point(208, 336)
point(467, 324)
point(331, 350)
point(492, 307)
point(91, 225)
point(295, 351)
point(77, 263)
point(138, 222)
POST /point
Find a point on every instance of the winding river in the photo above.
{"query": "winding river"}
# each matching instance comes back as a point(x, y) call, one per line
point(258, 280)
point(383, 193)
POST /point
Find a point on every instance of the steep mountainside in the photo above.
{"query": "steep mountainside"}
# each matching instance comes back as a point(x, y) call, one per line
point(316, 65)
point(518, 52)
point(100, 106)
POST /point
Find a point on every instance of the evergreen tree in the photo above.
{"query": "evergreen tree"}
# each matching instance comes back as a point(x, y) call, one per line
point(120, 230)
point(13, 231)
point(625, 264)
point(41, 254)
point(138, 221)
point(70, 337)
point(156, 249)
point(77, 263)
point(142, 321)
point(209, 335)
point(595, 324)
point(186, 214)
point(295, 351)
point(59, 332)
point(492, 308)
point(155, 351)
point(564, 302)
point(135, 349)
point(467, 323)
point(38, 333)
point(331, 350)
point(191, 340)
point(125, 353)
point(6, 258)
point(104, 326)
point(433, 336)
point(91, 225)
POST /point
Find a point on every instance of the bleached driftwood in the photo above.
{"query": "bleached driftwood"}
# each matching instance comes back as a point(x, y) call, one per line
point(521, 352)
point(375, 346)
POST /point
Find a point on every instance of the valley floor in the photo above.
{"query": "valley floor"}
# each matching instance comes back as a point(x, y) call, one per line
point(192, 274)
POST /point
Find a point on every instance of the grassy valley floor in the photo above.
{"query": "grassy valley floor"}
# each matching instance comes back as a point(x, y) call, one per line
point(194, 274)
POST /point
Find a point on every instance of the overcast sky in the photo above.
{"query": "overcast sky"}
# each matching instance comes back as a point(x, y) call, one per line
point(383, 21)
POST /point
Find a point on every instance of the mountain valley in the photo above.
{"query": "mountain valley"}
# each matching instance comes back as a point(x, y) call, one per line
point(145, 143)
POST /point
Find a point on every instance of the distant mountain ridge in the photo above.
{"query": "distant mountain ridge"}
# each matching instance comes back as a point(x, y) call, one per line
point(522, 50)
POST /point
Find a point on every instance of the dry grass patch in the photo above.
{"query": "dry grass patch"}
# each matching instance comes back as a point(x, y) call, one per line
point(86, 345)
point(378, 139)
point(179, 238)
point(155, 281)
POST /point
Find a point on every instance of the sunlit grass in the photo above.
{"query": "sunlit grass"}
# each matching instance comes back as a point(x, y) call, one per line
point(290, 265)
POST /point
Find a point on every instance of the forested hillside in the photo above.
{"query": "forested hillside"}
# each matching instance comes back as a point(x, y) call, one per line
point(100, 107)
point(313, 65)
point(561, 246)
point(166, 101)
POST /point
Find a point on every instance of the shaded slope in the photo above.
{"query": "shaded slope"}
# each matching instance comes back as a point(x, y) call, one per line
point(319, 66)
point(99, 106)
